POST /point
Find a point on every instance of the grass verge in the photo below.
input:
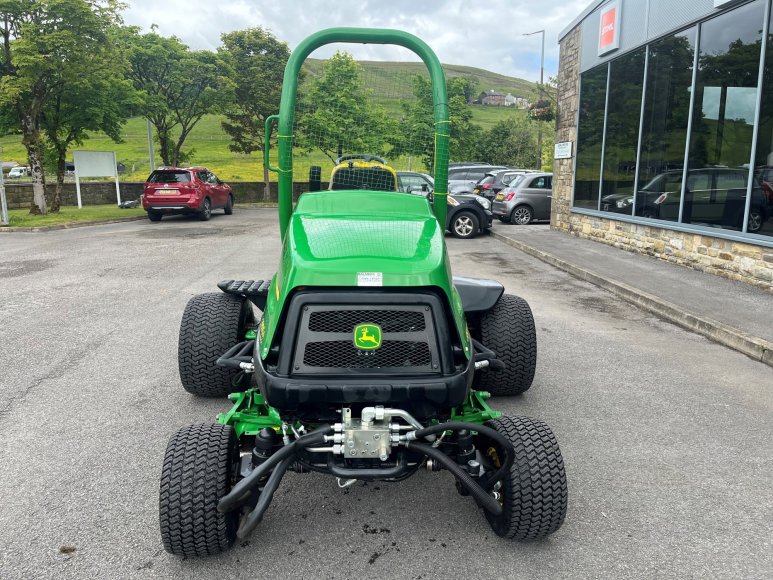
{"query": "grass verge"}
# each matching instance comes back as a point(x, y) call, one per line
point(21, 218)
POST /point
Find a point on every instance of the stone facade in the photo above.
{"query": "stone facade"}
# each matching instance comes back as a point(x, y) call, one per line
point(739, 261)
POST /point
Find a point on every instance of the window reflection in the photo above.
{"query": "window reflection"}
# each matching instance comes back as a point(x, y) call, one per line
point(626, 75)
point(761, 210)
point(590, 134)
point(723, 117)
point(664, 130)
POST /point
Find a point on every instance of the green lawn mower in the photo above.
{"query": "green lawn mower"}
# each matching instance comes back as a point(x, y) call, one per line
point(369, 361)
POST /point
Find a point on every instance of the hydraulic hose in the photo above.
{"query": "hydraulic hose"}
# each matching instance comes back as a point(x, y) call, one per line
point(484, 499)
point(241, 491)
point(253, 518)
point(505, 443)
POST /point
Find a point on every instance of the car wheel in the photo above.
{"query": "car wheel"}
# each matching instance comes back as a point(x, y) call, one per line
point(465, 225)
point(756, 220)
point(200, 465)
point(154, 216)
point(206, 210)
point(211, 324)
point(229, 205)
point(521, 215)
point(534, 493)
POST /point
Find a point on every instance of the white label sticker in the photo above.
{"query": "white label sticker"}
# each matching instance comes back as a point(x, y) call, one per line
point(370, 279)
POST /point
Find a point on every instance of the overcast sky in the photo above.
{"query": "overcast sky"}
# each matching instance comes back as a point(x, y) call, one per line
point(485, 34)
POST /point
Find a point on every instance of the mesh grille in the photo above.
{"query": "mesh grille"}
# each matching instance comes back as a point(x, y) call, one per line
point(346, 320)
point(343, 354)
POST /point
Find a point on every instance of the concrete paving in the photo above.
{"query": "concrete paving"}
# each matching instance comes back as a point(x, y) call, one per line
point(732, 313)
point(666, 435)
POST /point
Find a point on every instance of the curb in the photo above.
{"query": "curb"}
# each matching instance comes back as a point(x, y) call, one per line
point(71, 226)
point(752, 346)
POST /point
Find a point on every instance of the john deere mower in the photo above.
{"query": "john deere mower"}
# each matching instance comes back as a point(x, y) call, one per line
point(368, 361)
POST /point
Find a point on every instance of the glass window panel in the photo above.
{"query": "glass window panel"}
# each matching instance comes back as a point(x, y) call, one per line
point(723, 116)
point(664, 128)
point(761, 209)
point(624, 102)
point(590, 134)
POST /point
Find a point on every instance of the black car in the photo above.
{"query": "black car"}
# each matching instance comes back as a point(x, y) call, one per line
point(468, 215)
point(462, 178)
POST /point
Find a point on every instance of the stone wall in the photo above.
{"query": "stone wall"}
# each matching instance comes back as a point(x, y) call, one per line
point(19, 195)
point(738, 261)
point(566, 127)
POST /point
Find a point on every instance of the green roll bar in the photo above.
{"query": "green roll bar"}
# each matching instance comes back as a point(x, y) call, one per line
point(287, 109)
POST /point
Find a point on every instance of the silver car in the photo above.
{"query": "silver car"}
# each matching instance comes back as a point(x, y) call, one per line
point(526, 199)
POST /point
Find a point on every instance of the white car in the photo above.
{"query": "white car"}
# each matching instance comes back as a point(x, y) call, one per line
point(17, 172)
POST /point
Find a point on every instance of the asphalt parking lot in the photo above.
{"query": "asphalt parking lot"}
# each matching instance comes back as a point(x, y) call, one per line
point(667, 437)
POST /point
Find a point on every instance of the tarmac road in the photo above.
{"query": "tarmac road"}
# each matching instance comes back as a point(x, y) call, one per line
point(667, 437)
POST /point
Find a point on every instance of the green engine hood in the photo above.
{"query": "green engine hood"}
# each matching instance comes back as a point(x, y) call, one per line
point(361, 238)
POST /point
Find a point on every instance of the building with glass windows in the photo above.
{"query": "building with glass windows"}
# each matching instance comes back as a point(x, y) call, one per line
point(665, 132)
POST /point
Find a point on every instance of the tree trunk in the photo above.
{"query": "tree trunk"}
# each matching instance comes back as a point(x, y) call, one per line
point(56, 200)
point(163, 145)
point(31, 142)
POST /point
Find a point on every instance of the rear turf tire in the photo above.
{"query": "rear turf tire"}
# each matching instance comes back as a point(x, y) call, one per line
point(508, 329)
point(534, 494)
point(199, 468)
point(211, 324)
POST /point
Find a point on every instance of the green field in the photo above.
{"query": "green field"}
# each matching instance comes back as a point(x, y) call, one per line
point(391, 81)
point(70, 215)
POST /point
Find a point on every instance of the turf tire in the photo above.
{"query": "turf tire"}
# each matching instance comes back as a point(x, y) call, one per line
point(508, 329)
point(534, 494)
point(211, 324)
point(199, 468)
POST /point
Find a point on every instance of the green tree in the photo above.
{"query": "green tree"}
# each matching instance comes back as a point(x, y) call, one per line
point(91, 95)
point(337, 112)
point(511, 141)
point(177, 88)
point(256, 62)
point(43, 42)
point(416, 135)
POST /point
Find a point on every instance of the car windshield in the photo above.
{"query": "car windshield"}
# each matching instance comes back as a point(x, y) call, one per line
point(169, 177)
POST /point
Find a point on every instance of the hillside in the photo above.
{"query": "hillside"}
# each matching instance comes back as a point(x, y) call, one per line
point(399, 74)
point(210, 143)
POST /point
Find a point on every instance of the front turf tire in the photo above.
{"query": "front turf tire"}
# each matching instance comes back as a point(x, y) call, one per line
point(508, 329)
point(534, 494)
point(211, 324)
point(199, 469)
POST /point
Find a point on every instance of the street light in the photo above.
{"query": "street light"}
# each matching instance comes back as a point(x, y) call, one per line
point(541, 82)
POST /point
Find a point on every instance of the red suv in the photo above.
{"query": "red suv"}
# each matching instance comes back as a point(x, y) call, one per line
point(172, 190)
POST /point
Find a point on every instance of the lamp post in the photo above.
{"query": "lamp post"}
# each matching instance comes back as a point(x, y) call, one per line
point(541, 82)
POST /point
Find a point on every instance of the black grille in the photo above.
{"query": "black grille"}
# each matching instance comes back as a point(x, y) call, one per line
point(343, 354)
point(346, 320)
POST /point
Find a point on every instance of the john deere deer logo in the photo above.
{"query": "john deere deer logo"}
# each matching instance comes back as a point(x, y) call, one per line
point(367, 336)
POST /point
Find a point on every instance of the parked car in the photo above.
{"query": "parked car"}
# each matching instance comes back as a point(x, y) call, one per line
point(414, 182)
point(17, 172)
point(468, 215)
point(527, 198)
point(495, 181)
point(714, 196)
point(462, 178)
point(190, 190)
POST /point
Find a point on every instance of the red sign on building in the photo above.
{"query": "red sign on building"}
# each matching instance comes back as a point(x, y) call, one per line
point(609, 28)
